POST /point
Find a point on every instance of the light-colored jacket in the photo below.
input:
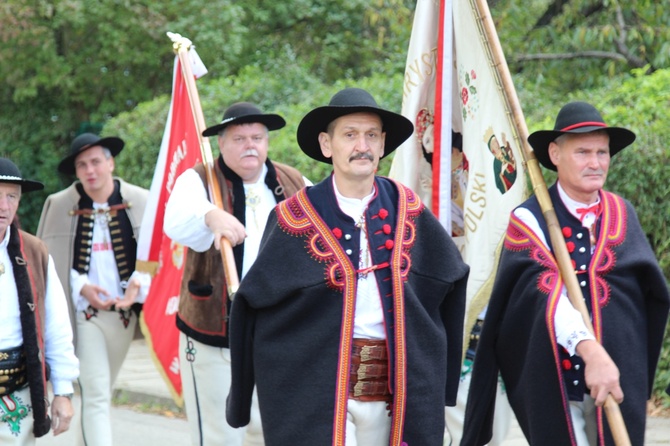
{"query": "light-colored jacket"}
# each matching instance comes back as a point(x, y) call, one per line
point(58, 225)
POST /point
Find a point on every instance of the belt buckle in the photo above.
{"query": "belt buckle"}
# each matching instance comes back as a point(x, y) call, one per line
point(362, 371)
point(366, 353)
point(358, 388)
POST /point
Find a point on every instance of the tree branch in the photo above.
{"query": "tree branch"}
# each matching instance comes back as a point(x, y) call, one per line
point(620, 42)
point(575, 55)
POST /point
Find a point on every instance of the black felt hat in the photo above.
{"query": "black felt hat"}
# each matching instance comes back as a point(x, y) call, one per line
point(84, 142)
point(245, 113)
point(577, 117)
point(345, 102)
point(10, 173)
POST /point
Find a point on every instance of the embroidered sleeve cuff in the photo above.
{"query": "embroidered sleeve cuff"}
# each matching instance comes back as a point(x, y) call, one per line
point(145, 283)
point(575, 338)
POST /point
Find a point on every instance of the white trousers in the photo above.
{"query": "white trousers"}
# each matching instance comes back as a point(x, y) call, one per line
point(454, 416)
point(102, 345)
point(583, 415)
point(16, 419)
point(205, 377)
point(368, 423)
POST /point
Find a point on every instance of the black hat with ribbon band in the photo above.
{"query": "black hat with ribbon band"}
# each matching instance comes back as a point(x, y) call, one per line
point(84, 142)
point(577, 117)
point(9, 173)
point(346, 102)
point(245, 113)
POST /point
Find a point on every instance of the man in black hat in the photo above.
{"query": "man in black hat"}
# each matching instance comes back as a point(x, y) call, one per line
point(35, 335)
point(350, 321)
point(251, 185)
point(556, 373)
point(91, 229)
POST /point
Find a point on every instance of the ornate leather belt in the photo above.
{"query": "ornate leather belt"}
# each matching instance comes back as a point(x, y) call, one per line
point(368, 377)
point(12, 370)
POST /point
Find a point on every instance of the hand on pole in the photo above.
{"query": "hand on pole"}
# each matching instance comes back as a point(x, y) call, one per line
point(224, 224)
point(601, 373)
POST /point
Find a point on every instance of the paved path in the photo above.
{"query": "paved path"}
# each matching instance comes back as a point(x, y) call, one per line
point(140, 383)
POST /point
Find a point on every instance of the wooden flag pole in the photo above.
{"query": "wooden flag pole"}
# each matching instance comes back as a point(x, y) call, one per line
point(181, 46)
point(612, 410)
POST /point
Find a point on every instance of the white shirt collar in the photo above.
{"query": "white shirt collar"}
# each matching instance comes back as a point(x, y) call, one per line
point(353, 207)
point(571, 204)
point(5, 240)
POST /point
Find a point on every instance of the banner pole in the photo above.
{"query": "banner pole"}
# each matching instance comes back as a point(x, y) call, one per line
point(181, 46)
point(612, 410)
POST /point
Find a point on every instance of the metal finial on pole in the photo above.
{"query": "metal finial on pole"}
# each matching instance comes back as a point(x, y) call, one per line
point(179, 41)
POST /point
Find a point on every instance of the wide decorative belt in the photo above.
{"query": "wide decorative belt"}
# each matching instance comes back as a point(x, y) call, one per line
point(368, 377)
point(12, 370)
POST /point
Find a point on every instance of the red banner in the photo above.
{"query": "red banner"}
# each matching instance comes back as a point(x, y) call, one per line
point(180, 150)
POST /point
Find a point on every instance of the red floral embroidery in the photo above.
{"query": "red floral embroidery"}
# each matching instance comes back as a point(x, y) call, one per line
point(383, 213)
point(464, 95)
point(337, 232)
point(570, 246)
point(386, 229)
point(389, 244)
point(567, 232)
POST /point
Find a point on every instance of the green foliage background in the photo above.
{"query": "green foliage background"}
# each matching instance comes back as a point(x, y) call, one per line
point(68, 66)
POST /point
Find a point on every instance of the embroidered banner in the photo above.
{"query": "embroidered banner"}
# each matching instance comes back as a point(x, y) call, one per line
point(450, 84)
point(180, 150)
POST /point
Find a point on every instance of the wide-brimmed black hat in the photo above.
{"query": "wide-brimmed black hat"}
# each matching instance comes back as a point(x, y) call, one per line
point(84, 142)
point(245, 113)
point(346, 102)
point(577, 117)
point(10, 173)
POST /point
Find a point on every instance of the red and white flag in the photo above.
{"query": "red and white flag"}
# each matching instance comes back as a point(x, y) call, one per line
point(450, 84)
point(156, 253)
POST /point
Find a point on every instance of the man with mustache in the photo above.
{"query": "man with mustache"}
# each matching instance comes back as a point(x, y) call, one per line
point(556, 373)
point(350, 321)
point(251, 185)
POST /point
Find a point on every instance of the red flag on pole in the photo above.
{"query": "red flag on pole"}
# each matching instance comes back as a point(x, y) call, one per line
point(156, 253)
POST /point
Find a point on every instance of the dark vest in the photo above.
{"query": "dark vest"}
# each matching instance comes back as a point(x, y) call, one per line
point(380, 220)
point(30, 261)
point(203, 303)
point(579, 248)
point(120, 231)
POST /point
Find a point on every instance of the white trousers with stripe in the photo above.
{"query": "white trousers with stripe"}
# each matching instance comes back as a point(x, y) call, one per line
point(205, 377)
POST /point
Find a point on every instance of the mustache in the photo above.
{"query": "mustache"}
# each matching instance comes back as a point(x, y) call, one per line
point(362, 156)
point(249, 152)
